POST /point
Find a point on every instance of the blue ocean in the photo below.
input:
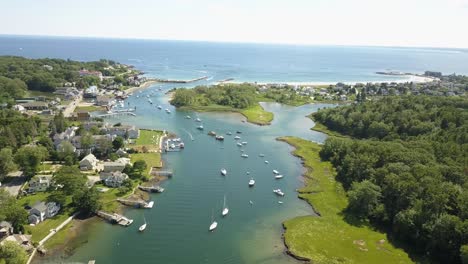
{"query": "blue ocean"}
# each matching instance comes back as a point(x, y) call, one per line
point(244, 62)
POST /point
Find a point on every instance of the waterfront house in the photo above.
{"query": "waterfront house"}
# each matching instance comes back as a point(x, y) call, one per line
point(89, 162)
point(113, 179)
point(102, 100)
point(23, 240)
point(42, 210)
point(39, 183)
point(125, 131)
point(91, 92)
point(6, 229)
point(111, 166)
point(82, 116)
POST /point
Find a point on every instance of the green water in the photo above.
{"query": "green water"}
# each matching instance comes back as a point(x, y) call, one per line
point(177, 230)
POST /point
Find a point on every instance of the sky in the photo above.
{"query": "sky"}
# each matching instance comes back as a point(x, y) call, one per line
point(420, 23)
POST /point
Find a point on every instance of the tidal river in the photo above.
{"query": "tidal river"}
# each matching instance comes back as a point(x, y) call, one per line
point(177, 229)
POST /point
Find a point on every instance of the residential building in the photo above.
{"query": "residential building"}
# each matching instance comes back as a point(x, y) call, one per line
point(111, 166)
point(42, 210)
point(125, 131)
point(23, 240)
point(98, 141)
point(104, 101)
point(39, 183)
point(83, 116)
point(6, 229)
point(89, 162)
point(113, 179)
point(67, 135)
point(36, 106)
point(85, 72)
point(91, 92)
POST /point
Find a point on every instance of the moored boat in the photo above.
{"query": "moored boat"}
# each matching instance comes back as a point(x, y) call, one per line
point(279, 176)
point(275, 172)
point(223, 172)
point(244, 155)
point(251, 182)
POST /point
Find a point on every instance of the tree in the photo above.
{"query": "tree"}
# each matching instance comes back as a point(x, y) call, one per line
point(58, 197)
point(12, 253)
point(363, 198)
point(118, 143)
point(87, 141)
point(464, 254)
point(29, 158)
point(11, 211)
point(66, 152)
point(87, 200)
point(71, 179)
point(7, 163)
point(140, 166)
point(59, 122)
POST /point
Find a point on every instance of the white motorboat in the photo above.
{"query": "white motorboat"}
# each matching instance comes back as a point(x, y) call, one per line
point(159, 107)
point(244, 143)
point(200, 127)
point(225, 209)
point(223, 172)
point(251, 182)
point(278, 192)
point(236, 137)
point(266, 161)
point(244, 155)
point(261, 155)
point(149, 205)
point(214, 224)
point(275, 172)
point(188, 117)
point(168, 111)
point(151, 102)
point(239, 144)
point(220, 138)
point(229, 133)
point(250, 202)
point(198, 120)
point(279, 176)
point(280, 202)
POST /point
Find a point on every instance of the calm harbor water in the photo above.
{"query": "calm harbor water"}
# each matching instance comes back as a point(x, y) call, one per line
point(177, 229)
point(178, 224)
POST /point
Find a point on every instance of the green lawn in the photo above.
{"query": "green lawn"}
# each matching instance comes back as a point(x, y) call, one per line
point(42, 229)
point(91, 108)
point(146, 137)
point(59, 238)
point(109, 198)
point(329, 238)
point(33, 198)
point(322, 128)
point(258, 115)
point(152, 159)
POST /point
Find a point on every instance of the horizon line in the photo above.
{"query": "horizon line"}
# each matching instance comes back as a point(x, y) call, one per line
point(230, 42)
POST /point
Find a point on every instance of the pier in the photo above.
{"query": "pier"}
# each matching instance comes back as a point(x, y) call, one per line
point(115, 218)
point(182, 81)
point(167, 173)
point(136, 203)
point(155, 189)
point(129, 111)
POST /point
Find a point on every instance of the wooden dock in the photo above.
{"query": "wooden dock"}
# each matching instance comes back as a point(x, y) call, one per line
point(134, 203)
point(115, 218)
point(155, 189)
point(167, 173)
point(182, 81)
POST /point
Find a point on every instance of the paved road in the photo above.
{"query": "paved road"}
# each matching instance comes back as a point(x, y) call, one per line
point(68, 111)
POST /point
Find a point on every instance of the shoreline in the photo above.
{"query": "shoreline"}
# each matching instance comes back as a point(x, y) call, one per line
point(145, 85)
point(410, 78)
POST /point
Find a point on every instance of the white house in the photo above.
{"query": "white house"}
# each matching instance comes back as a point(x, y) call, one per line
point(122, 131)
point(39, 183)
point(41, 211)
point(114, 179)
point(68, 134)
point(89, 162)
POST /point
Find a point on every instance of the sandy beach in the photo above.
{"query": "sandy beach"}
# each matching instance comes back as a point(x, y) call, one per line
point(407, 78)
point(141, 87)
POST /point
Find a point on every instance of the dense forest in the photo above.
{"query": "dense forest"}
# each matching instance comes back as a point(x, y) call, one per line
point(236, 96)
point(19, 74)
point(407, 171)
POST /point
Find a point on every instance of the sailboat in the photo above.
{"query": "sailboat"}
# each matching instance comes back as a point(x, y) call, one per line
point(223, 172)
point(225, 209)
point(214, 224)
point(143, 227)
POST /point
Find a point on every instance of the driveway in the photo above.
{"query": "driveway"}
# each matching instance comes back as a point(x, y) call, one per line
point(14, 183)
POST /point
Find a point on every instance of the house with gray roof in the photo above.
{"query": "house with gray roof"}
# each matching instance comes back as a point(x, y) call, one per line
point(42, 210)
